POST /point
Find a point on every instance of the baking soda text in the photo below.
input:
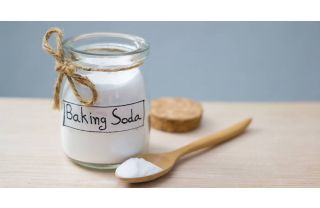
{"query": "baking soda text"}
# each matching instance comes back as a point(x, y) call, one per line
point(104, 119)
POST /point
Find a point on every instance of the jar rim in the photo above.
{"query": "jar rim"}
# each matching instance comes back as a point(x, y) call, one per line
point(141, 46)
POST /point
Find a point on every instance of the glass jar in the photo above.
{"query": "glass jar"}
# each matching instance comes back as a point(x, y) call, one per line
point(116, 127)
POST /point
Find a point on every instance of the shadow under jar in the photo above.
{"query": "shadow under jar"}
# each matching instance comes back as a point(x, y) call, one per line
point(116, 127)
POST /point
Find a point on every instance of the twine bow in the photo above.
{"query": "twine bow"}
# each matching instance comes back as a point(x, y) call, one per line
point(66, 68)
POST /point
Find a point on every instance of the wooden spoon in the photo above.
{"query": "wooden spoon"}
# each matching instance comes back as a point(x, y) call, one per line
point(167, 160)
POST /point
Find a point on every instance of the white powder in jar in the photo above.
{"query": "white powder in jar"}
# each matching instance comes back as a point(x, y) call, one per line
point(114, 88)
point(137, 167)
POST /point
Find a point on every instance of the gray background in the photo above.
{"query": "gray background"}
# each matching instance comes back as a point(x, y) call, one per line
point(221, 61)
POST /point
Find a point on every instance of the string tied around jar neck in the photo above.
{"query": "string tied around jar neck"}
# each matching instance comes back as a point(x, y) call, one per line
point(66, 68)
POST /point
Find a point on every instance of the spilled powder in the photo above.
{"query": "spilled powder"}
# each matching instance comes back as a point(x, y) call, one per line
point(137, 167)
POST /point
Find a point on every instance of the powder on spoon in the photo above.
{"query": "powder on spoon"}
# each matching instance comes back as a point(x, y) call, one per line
point(137, 167)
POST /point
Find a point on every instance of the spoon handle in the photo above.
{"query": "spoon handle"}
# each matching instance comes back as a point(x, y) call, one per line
point(214, 139)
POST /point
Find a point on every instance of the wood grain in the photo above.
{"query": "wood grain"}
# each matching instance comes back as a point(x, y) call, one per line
point(280, 149)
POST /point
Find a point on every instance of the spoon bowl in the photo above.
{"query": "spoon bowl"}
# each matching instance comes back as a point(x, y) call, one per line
point(166, 161)
point(163, 160)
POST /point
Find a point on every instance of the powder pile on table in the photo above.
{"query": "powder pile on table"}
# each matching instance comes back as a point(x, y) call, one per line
point(137, 167)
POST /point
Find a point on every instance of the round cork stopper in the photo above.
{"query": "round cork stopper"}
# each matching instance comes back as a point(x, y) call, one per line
point(175, 114)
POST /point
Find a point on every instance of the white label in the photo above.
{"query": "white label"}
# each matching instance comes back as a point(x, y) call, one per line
point(103, 119)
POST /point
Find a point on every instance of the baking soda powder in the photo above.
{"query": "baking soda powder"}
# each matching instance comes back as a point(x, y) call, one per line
point(136, 168)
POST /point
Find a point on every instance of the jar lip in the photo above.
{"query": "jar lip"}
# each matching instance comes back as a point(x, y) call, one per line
point(141, 45)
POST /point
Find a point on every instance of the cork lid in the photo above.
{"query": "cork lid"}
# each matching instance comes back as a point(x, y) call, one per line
point(175, 114)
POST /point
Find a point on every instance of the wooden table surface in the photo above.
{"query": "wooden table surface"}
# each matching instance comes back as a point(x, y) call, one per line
point(280, 149)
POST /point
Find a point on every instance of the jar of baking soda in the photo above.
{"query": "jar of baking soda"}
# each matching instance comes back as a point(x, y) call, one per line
point(104, 108)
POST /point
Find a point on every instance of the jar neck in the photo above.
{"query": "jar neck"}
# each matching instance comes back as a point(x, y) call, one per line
point(106, 50)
